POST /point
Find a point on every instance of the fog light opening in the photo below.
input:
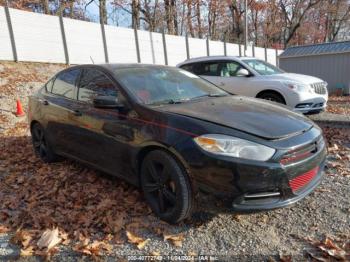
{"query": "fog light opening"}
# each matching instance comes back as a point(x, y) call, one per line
point(304, 105)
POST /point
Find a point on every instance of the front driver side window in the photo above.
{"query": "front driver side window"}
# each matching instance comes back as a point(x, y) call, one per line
point(228, 69)
point(95, 83)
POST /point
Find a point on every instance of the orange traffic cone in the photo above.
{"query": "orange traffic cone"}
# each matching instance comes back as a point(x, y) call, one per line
point(20, 111)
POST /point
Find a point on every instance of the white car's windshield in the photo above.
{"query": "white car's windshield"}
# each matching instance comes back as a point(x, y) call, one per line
point(162, 85)
point(262, 67)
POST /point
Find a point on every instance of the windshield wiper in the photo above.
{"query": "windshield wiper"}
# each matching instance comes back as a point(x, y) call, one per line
point(167, 101)
point(209, 95)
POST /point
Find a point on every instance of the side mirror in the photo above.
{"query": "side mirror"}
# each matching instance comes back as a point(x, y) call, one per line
point(107, 102)
point(243, 72)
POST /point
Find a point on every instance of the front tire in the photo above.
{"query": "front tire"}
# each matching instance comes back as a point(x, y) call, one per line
point(166, 187)
point(41, 146)
point(272, 96)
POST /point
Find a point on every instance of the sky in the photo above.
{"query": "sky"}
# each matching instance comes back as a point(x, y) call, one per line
point(118, 18)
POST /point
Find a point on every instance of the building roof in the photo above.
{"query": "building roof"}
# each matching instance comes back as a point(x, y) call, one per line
point(317, 49)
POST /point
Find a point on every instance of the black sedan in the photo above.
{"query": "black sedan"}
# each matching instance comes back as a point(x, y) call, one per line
point(175, 134)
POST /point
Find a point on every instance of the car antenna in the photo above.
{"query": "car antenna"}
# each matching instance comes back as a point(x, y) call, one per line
point(92, 60)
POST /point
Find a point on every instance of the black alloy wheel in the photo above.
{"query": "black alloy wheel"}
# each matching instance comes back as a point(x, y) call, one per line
point(166, 187)
point(41, 147)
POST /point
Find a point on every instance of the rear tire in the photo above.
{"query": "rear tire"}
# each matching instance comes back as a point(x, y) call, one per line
point(41, 146)
point(166, 187)
point(272, 96)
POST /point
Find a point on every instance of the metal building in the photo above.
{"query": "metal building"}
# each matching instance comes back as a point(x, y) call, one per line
point(328, 61)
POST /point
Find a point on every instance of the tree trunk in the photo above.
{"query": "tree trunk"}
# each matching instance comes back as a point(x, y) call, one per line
point(189, 18)
point(71, 9)
point(103, 12)
point(135, 13)
point(199, 21)
point(46, 8)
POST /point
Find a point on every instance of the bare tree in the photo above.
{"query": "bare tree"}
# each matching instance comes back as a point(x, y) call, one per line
point(294, 12)
point(337, 13)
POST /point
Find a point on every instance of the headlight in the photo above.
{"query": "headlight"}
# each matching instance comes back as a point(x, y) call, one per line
point(235, 147)
point(298, 87)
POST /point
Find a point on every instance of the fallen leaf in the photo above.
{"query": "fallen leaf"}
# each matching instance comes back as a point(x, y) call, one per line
point(176, 239)
point(21, 237)
point(49, 239)
point(155, 253)
point(29, 251)
point(3, 229)
point(140, 242)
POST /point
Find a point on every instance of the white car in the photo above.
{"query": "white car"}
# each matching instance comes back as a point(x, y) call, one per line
point(249, 76)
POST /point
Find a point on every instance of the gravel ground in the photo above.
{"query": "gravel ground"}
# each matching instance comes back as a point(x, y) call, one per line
point(267, 236)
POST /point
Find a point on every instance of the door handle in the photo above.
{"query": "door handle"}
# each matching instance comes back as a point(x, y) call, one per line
point(77, 113)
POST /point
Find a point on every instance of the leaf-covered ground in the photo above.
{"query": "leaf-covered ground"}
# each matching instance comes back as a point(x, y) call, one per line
point(50, 210)
point(339, 105)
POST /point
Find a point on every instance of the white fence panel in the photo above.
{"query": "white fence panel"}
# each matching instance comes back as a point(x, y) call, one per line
point(198, 47)
point(249, 51)
point(5, 42)
point(120, 44)
point(216, 48)
point(84, 40)
point(37, 36)
point(158, 49)
point(271, 56)
point(147, 47)
point(232, 49)
point(176, 49)
point(260, 53)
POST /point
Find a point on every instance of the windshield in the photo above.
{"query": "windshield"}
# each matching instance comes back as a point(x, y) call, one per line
point(163, 85)
point(262, 67)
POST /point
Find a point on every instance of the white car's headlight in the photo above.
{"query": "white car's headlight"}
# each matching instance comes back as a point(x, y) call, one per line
point(235, 147)
point(298, 87)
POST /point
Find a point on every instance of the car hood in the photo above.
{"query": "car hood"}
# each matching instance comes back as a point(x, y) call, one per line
point(254, 116)
point(305, 79)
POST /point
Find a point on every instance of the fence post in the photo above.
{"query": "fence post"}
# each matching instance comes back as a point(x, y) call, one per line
point(225, 47)
point(208, 49)
point(164, 49)
point(265, 53)
point(137, 45)
point(104, 42)
point(10, 28)
point(239, 49)
point(253, 50)
point(64, 40)
point(187, 47)
point(277, 59)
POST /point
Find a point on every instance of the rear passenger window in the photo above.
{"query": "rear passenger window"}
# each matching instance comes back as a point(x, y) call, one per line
point(210, 69)
point(206, 68)
point(49, 85)
point(187, 67)
point(95, 83)
point(65, 83)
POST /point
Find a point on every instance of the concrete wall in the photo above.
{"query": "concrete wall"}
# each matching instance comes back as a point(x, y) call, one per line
point(332, 68)
point(38, 38)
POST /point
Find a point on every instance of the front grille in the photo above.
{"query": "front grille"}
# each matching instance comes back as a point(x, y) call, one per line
point(302, 153)
point(320, 88)
point(303, 180)
point(299, 154)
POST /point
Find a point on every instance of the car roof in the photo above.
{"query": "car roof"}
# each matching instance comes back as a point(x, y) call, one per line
point(115, 66)
point(211, 58)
